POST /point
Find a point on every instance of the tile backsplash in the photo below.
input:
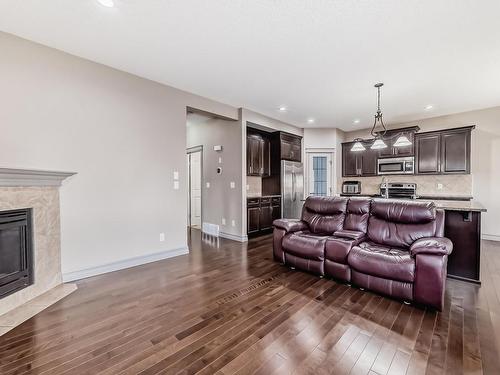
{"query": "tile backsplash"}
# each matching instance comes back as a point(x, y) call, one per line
point(254, 186)
point(451, 185)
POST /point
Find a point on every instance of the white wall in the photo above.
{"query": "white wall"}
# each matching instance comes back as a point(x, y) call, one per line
point(485, 157)
point(326, 138)
point(124, 135)
point(220, 200)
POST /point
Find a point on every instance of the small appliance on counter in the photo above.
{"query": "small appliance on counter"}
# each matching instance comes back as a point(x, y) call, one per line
point(351, 187)
point(398, 190)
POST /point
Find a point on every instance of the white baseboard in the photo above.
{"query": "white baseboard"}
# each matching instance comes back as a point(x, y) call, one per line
point(491, 237)
point(233, 237)
point(122, 264)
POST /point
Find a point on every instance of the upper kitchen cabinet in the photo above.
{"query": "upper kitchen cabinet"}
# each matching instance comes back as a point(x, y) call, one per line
point(390, 139)
point(363, 163)
point(258, 155)
point(444, 152)
point(428, 152)
point(291, 147)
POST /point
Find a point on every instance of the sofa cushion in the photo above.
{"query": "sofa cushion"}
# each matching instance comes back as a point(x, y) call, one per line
point(305, 245)
point(382, 261)
point(407, 212)
point(324, 215)
point(358, 212)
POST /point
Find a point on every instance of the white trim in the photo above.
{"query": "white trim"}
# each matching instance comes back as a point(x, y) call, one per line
point(233, 237)
point(123, 264)
point(491, 237)
point(32, 177)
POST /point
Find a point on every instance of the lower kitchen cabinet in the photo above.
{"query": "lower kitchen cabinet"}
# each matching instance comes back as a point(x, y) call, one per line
point(261, 212)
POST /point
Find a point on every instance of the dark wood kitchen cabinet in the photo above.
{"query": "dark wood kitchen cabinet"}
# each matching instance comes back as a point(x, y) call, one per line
point(428, 153)
point(290, 147)
point(390, 139)
point(258, 155)
point(362, 163)
point(261, 212)
point(443, 152)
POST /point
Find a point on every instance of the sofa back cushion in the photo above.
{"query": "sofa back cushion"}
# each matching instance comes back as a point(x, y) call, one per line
point(400, 223)
point(358, 212)
point(324, 215)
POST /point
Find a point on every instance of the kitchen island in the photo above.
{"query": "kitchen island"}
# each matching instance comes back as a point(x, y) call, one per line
point(463, 228)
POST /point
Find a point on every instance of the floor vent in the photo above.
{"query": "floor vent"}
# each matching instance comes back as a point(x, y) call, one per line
point(211, 229)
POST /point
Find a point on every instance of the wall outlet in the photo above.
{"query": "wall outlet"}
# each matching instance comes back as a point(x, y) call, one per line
point(162, 237)
point(223, 221)
point(233, 223)
point(208, 185)
point(232, 184)
point(176, 185)
point(440, 186)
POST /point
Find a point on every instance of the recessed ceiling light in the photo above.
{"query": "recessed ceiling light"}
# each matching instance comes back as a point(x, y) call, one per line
point(356, 121)
point(107, 3)
point(282, 109)
point(429, 107)
point(310, 121)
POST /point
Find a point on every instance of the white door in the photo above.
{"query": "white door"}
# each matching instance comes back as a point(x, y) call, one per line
point(195, 189)
point(319, 173)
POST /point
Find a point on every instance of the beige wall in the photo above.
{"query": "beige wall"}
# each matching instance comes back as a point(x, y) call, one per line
point(485, 157)
point(220, 200)
point(124, 135)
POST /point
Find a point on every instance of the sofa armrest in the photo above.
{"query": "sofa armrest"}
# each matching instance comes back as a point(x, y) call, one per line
point(350, 234)
point(432, 245)
point(290, 225)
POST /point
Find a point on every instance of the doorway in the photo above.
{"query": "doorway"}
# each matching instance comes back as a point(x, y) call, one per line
point(195, 178)
point(319, 173)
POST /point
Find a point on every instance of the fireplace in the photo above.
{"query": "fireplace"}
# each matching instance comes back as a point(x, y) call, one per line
point(16, 254)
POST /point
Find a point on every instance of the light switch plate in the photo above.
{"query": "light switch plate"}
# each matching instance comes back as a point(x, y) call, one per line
point(176, 175)
point(233, 223)
point(232, 185)
point(440, 186)
point(162, 237)
point(220, 160)
point(208, 185)
point(223, 221)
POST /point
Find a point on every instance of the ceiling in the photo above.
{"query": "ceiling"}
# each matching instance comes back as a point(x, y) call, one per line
point(319, 58)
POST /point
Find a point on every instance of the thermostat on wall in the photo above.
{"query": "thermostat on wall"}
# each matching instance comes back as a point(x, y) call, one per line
point(218, 148)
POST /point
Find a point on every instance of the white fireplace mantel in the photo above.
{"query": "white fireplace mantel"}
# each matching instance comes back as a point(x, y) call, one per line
point(10, 177)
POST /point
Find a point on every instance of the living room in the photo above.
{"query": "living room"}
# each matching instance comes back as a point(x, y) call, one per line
point(249, 187)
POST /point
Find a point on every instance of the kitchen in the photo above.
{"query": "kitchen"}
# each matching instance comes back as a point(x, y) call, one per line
point(433, 166)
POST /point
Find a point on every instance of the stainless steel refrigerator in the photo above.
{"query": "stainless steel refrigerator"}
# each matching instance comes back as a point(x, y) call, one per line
point(292, 189)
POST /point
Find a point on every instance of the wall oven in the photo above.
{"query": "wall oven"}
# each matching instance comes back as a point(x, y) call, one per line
point(396, 165)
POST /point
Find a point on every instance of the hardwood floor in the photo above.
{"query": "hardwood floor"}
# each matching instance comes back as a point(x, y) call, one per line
point(232, 310)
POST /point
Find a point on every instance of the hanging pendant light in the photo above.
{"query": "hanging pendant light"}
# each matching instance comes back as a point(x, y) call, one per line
point(379, 142)
point(358, 146)
point(402, 141)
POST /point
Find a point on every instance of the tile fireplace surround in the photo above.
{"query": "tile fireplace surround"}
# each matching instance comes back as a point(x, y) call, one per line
point(38, 190)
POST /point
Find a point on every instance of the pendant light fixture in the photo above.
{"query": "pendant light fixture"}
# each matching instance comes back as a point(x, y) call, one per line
point(378, 136)
point(358, 146)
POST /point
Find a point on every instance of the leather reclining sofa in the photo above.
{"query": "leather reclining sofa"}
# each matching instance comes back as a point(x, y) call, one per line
point(392, 247)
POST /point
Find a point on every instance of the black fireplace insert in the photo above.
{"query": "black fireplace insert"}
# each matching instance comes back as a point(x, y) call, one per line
point(16, 251)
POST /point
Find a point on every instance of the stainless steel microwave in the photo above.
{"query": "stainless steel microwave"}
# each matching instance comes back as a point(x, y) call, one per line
point(396, 165)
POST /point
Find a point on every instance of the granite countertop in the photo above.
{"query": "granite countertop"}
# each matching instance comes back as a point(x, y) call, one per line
point(263, 196)
point(457, 205)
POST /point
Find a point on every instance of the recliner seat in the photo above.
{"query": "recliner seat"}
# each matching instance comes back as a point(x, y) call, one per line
point(392, 247)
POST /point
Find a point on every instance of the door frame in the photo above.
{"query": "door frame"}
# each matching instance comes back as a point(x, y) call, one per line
point(333, 168)
point(192, 150)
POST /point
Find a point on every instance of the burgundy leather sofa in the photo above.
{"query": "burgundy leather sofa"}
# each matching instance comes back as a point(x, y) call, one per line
point(392, 247)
